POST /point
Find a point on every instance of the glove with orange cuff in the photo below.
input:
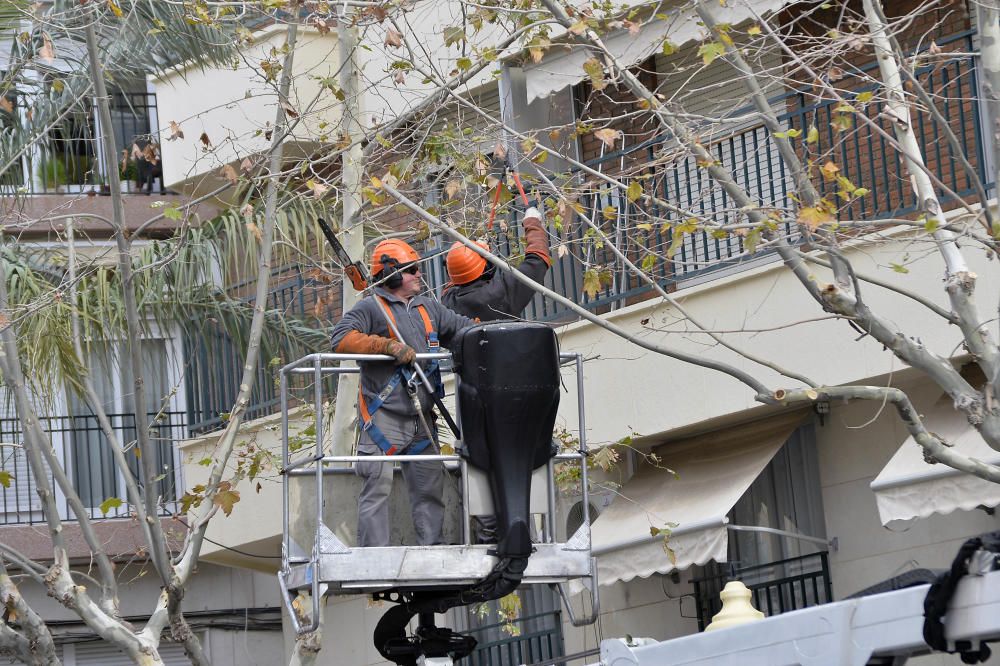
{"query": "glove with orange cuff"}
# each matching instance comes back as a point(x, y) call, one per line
point(357, 342)
point(535, 236)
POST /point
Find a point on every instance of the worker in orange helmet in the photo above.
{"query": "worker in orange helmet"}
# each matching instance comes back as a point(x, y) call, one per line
point(480, 291)
point(395, 415)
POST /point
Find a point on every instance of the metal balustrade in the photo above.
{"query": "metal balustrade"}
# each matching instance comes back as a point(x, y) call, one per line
point(777, 587)
point(537, 638)
point(215, 363)
point(648, 235)
point(84, 452)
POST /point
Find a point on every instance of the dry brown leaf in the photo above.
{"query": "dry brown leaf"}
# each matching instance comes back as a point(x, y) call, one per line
point(5, 104)
point(453, 187)
point(608, 136)
point(247, 210)
point(561, 250)
point(246, 165)
point(393, 38)
point(229, 173)
point(318, 189)
point(47, 53)
point(633, 27)
point(289, 109)
point(205, 140)
point(321, 25)
point(175, 131)
point(255, 230)
point(830, 171)
point(399, 78)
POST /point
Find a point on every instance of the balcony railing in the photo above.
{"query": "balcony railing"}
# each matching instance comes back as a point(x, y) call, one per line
point(84, 452)
point(777, 587)
point(862, 155)
point(215, 362)
point(71, 159)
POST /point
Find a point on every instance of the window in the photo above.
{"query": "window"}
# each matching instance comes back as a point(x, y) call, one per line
point(80, 443)
point(783, 572)
point(93, 472)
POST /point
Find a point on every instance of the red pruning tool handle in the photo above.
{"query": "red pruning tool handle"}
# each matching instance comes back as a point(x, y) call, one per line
point(493, 208)
point(520, 188)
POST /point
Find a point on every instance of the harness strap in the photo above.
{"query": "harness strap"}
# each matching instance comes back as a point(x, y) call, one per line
point(401, 374)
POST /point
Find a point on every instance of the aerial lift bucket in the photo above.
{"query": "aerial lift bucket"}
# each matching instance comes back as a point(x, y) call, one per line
point(507, 387)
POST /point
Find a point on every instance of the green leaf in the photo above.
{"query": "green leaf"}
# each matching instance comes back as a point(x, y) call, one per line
point(813, 135)
point(110, 503)
point(454, 35)
point(931, 225)
point(649, 262)
point(190, 501)
point(464, 64)
point(172, 213)
point(865, 97)
point(5, 478)
point(205, 462)
point(710, 51)
point(899, 268)
point(669, 48)
point(790, 134)
point(634, 192)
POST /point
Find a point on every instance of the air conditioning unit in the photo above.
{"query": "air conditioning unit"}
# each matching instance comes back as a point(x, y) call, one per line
point(569, 508)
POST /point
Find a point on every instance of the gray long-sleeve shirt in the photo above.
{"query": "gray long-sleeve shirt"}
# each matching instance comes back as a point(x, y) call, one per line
point(365, 317)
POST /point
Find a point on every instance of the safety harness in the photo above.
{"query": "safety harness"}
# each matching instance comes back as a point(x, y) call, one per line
point(402, 374)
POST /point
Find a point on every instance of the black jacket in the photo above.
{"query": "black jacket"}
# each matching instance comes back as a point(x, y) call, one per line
point(499, 297)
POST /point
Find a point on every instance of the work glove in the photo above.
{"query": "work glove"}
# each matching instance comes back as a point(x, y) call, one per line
point(534, 235)
point(356, 342)
point(403, 353)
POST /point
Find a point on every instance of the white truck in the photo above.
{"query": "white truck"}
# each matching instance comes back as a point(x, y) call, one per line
point(881, 629)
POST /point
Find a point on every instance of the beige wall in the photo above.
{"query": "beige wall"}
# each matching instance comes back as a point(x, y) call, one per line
point(231, 106)
point(627, 386)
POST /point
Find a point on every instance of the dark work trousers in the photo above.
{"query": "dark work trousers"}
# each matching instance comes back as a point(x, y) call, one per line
point(424, 481)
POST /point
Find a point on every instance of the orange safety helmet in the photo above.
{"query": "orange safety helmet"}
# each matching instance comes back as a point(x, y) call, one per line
point(464, 263)
point(390, 253)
